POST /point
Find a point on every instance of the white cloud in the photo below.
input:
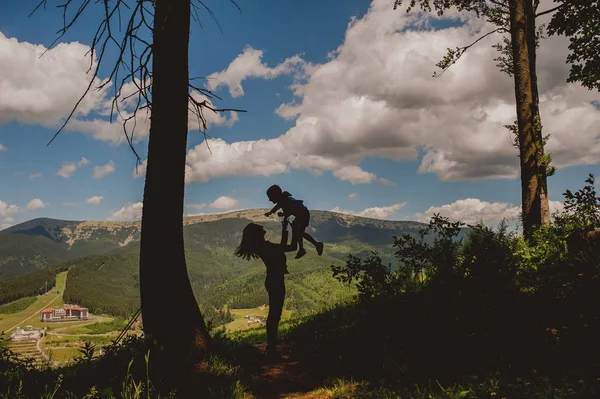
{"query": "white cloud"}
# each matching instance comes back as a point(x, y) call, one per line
point(224, 202)
point(131, 211)
point(103, 170)
point(140, 170)
point(9, 219)
point(352, 196)
point(70, 203)
point(473, 210)
point(354, 174)
point(195, 206)
point(376, 212)
point(67, 170)
point(36, 204)
point(95, 200)
point(7, 209)
point(249, 64)
point(35, 175)
point(3, 147)
point(376, 97)
point(44, 89)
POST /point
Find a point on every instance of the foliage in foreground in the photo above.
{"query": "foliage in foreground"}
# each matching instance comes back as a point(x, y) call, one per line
point(491, 305)
point(492, 316)
point(123, 372)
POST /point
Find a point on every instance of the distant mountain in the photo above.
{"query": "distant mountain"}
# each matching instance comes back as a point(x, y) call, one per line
point(21, 253)
point(40, 242)
point(82, 238)
point(107, 254)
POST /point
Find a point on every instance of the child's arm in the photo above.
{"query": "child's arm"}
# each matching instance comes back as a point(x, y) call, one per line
point(275, 209)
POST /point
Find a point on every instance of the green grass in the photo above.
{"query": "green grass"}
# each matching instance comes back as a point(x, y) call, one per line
point(30, 315)
point(470, 387)
point(17, 306)
point(64, 354)
point(241, 323)
point(110, 325)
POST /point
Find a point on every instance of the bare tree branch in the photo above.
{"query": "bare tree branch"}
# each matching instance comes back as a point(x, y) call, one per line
point(539, 14)
point(454, 55)
point(131, 66)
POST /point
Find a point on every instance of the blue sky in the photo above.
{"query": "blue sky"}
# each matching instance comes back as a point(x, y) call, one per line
point(342, 111)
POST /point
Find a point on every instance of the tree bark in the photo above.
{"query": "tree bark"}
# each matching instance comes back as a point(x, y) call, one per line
point(533, 172)
point(171, 316)
point(539, 136)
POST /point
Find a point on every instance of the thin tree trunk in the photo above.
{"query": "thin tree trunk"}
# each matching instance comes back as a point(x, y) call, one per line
point(539, 137)
point(172, 319)
point(529, 143)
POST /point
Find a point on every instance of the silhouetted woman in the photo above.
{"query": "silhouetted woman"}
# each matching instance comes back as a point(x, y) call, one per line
point(255, 246)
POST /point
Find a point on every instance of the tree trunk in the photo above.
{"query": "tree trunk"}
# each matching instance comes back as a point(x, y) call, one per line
point(533, 176)
point(171, 316)
point(539, 137)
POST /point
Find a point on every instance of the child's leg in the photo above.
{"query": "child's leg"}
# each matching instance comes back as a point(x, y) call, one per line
point(309, 238)
point(300, 233)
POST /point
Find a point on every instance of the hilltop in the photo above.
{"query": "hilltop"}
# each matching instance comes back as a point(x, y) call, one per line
point(40, 242)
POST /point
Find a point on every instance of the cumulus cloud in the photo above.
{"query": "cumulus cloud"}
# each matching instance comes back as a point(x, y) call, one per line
point(103, 170)
point(354, 174)
point(7, 209)
point(473, 210)
point(376, 212)
point(95, 200)
point(67, 170)
point(249, 64)
point(131, 211)
point(352, 196)
point(43, 90)
point(35, 175)
point(3, 147)
point(375, 97)
point(224, 202)
point(36, 204)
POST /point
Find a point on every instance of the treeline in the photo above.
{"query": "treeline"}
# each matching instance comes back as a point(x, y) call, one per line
point(30, 284)
point(105, 284)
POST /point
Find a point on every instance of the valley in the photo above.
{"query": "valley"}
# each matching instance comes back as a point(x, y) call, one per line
point(95, 265)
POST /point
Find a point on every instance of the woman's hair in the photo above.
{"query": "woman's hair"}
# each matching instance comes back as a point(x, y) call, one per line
point(251, 240)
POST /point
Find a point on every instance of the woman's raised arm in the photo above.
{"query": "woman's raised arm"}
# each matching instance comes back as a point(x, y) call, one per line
point(284, 238)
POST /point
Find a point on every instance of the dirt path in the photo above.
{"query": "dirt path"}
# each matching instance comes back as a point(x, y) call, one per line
point(286, 378)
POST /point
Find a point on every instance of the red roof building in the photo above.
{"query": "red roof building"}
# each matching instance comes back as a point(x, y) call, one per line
point(68, 312)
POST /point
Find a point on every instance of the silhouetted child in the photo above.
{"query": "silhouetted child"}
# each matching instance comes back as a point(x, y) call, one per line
point(290, 206)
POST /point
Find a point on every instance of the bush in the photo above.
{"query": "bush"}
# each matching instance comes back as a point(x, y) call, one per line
point(492, 302)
